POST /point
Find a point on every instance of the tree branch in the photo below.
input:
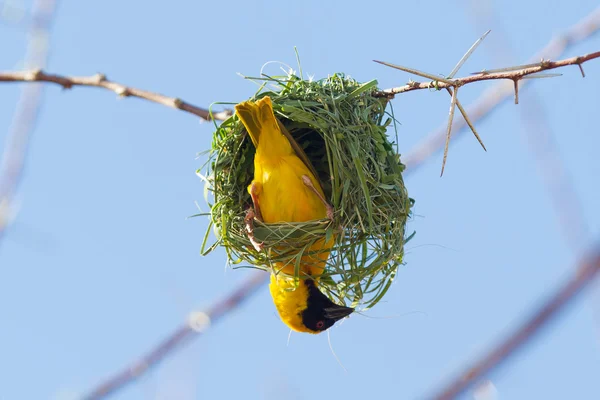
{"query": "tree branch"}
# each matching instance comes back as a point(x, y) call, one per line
point(550, 309)
point(515, 74)
point(197, 324)
point(494, 96)
point(512, 73)
point(100, 81)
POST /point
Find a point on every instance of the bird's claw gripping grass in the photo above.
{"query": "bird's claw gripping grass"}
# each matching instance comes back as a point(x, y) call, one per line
point(249, 221)
point(306, 180)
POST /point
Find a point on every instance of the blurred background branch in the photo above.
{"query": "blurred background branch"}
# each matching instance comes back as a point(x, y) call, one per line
point(197, 324)
point(550, 309)
point(26, 114)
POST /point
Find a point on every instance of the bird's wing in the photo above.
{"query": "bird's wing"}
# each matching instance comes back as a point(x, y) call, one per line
point(299, 151)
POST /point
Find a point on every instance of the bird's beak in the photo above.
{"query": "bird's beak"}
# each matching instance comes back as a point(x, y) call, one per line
point(336, 312)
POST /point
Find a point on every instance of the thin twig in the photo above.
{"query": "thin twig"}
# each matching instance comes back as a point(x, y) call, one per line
point(532, 325)
point(100, 81)
point(25, 117)
point(196, 325)
point(514, 74)
point(499, 93)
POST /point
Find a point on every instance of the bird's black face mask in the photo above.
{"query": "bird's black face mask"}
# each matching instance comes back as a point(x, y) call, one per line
point(321, 313)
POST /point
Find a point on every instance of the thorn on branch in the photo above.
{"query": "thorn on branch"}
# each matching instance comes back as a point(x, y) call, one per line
point(467, 120)
point(449, 130)
point(580, 65)
point(516, 85)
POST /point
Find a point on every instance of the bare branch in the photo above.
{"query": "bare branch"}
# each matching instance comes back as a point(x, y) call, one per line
point(492, 97)
point(528, 71)
point(550, 309)
point(179, 337)
point(514, 75)
point(100, 81)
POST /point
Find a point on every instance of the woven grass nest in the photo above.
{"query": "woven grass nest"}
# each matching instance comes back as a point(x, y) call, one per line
point(341, 126)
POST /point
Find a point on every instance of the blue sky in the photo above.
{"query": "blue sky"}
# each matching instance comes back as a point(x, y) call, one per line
point(101, 262)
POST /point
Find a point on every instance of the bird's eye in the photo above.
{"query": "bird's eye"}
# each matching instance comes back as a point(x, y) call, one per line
point(320, 325)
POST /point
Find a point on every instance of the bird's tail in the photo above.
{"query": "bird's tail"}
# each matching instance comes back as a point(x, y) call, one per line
point(260, 122)
point(265, 129)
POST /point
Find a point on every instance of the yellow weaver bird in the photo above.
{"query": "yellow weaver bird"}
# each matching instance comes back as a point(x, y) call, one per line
point(285, 189)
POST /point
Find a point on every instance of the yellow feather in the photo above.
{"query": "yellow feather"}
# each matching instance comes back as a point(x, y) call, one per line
point(283, 197)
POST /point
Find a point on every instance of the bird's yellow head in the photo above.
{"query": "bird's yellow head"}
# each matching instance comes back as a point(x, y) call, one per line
point(305, 309)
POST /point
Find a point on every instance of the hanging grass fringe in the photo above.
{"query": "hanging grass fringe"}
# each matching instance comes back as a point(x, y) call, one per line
point(341, 127)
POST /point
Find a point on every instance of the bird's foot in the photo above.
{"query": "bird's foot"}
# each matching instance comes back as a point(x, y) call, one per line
point(308, 183)
point(254, 191)
point(249, 221)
